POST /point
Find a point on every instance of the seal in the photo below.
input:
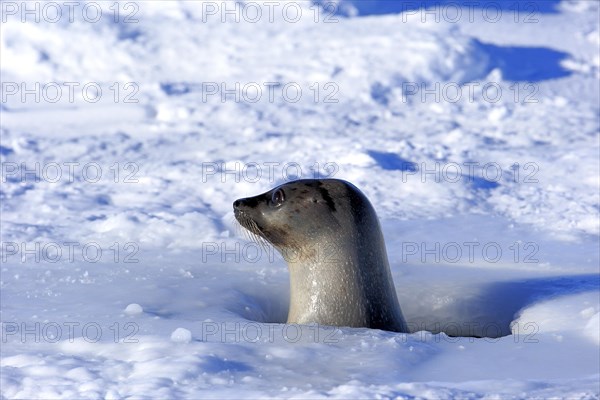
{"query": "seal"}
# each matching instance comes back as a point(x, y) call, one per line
point(329, 235)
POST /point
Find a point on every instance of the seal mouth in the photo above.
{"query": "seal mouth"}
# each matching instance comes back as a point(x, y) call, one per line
point(245, 221)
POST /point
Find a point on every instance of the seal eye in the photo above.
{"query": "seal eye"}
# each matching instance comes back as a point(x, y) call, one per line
point(277, 198)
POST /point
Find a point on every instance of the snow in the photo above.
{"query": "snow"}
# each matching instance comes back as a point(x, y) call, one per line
point(124, 274)
point(134, 309)
point(181, 335)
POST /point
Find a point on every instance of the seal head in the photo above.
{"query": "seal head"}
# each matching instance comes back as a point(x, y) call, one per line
point(329, 234)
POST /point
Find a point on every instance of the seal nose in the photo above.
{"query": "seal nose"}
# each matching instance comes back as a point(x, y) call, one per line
point(246, 203)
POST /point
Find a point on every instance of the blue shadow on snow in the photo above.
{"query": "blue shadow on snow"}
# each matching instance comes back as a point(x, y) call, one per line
point(215, 364)
point(506, 299)
point(532, 64)
point(392, 162)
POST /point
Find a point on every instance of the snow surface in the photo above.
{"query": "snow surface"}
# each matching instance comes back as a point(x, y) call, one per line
point(141, 284)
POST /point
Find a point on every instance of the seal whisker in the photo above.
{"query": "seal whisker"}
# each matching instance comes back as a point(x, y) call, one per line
point(244, 230)
point(237, 227)
point(256, 236)
point(251, 232)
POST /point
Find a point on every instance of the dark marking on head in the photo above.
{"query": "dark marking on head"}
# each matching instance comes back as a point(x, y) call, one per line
point(327, 198)
point(358, 203)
